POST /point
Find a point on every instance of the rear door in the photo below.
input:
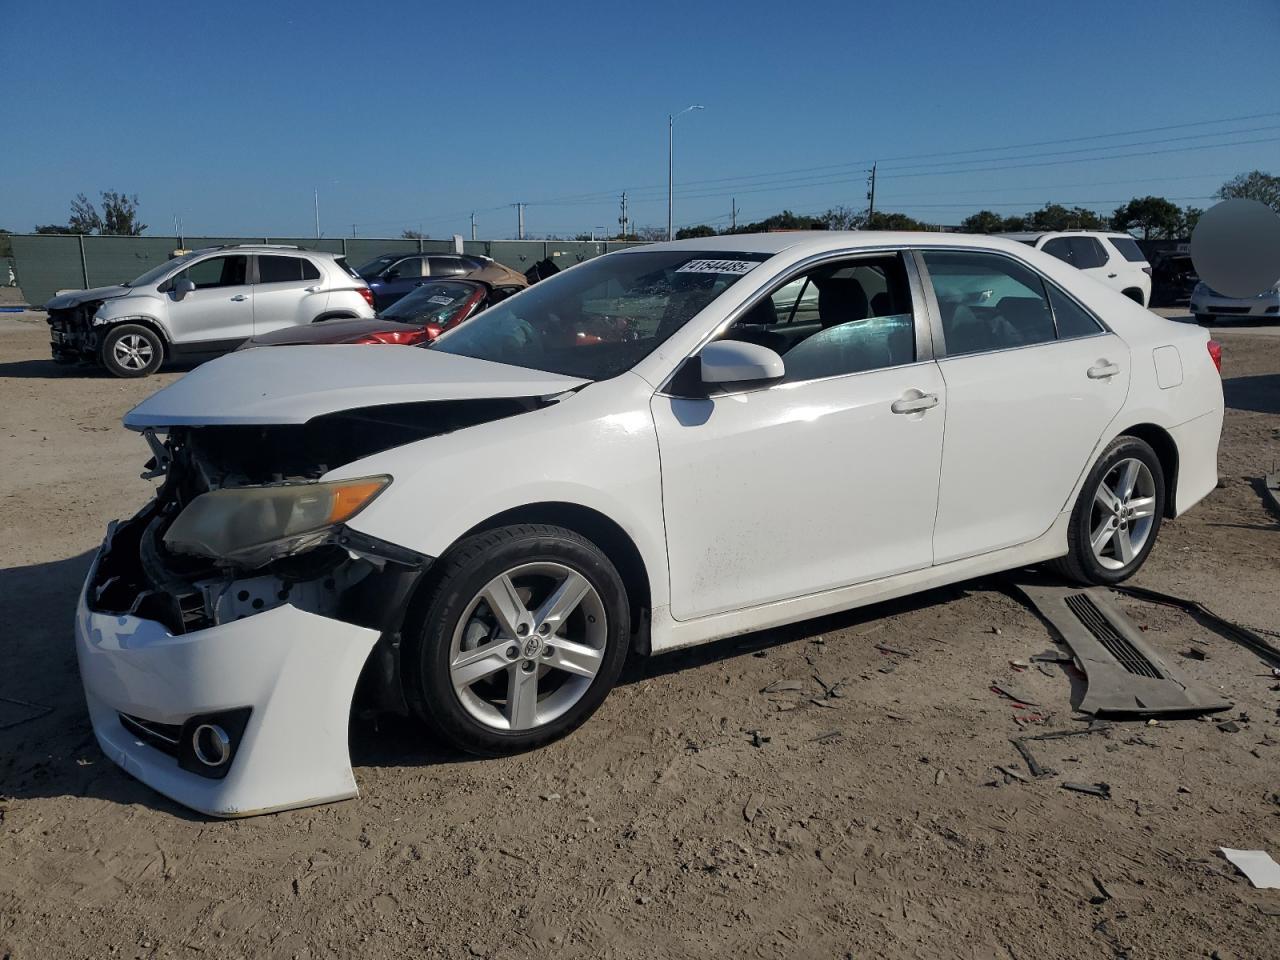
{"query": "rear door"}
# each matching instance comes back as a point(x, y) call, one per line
point(287, 291)
point(1032, 381)
point(218, 313)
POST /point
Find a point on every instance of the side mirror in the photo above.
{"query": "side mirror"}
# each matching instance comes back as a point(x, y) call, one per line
point(181, 287)
point(733, 361)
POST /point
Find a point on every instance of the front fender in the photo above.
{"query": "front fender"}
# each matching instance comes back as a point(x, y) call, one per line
point(596, 449)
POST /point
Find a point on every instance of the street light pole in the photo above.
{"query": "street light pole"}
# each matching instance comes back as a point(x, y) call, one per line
point(671, 121)
point(317, 196)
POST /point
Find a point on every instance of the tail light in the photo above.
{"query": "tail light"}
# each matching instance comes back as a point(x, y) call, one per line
point(367, 294)
point(1215, 352)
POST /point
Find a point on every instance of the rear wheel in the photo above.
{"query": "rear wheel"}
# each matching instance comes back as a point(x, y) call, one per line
point(132, 350)
point(524, 635)
point(1117, 516)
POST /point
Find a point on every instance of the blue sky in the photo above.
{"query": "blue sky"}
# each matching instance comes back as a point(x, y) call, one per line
point(409, 115)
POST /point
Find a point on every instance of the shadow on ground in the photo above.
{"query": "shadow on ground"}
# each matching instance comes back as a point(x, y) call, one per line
point(1260, 394)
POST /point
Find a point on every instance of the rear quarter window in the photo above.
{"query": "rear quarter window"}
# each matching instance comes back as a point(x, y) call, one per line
point(1128, 248)
point(341, 264)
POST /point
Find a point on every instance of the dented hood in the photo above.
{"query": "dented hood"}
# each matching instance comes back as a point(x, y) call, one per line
point(281, 385)
point(73, 298)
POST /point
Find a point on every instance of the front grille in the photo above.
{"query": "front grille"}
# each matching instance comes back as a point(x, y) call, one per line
point(165, 737)
point(1126, 654)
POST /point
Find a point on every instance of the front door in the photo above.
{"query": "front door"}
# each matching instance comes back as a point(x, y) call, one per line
point(1032, 380)
point(824, 479)
point(218, 313)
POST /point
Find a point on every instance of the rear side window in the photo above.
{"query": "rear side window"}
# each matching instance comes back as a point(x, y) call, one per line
point(285, 269)
point(1087, 252)
point(1060, 248)
point(1128, 248)
point(988, 302)
point(448, 266)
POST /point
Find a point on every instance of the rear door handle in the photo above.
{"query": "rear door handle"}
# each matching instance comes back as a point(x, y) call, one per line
point(238, 297)
point(1112, 276)
point(315, 289)
point(915, 404)
point(1103, 370)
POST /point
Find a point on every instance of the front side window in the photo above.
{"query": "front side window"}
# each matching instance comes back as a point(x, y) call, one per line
point(408, 269)
point(841, 318)
point(990, 302)
point(604, 316)
point(217, 272)
point(375, 266)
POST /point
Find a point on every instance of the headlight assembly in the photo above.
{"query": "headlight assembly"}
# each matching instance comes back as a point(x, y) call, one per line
point(254, 525)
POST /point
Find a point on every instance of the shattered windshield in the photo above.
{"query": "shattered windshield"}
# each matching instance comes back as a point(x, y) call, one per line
point(602, 317)
point(438, 302)
point(155, 273)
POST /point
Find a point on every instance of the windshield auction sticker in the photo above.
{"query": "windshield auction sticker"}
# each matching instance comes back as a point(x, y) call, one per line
point(737, 267)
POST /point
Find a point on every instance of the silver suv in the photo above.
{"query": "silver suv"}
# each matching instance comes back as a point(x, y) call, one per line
point(201, 304)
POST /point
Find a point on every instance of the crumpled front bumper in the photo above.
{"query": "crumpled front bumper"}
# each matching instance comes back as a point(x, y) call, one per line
point(295, 670)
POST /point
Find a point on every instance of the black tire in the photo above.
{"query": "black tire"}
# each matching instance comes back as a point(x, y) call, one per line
point(1081, 564)
point(458, 579)
point(131, 350)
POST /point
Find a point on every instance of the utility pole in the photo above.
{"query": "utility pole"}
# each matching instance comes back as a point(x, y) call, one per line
point(622, 220)
point(473, 224)
point(353, 229)
point(520, 221)
point(317, 196)
point(671, 120)
point(871, 194)
point(733, 214)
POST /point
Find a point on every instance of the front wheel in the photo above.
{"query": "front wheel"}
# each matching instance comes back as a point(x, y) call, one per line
point(1117, 515)
point(523, 636)
point(132, 350)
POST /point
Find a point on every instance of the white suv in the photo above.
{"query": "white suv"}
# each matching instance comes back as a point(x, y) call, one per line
point(1114, 259)
point(203, 303)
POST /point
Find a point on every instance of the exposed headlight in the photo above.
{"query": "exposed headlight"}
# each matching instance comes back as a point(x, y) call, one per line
point(254, 525)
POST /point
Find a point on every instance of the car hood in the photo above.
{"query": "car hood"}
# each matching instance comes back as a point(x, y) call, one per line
point(330, 331)
point(73, 298)
point(294, 384)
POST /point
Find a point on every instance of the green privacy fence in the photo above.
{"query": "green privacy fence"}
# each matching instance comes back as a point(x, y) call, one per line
point(47, 263)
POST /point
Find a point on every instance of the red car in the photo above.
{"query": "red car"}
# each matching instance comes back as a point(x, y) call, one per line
point(418, 318)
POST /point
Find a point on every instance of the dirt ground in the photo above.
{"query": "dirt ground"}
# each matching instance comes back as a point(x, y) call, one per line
point(871, 823)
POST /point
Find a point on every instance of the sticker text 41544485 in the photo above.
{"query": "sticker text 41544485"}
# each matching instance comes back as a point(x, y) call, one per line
point(736, 267)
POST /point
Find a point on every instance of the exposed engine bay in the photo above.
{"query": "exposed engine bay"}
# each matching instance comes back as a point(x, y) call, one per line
point(335, 572)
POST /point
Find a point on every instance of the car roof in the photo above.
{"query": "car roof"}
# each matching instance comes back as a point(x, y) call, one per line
point(267, 248)
point(819, 241)
point(1024, 235)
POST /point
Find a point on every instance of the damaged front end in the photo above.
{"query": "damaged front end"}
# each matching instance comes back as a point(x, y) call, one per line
point(223, 630)
point(72, 335)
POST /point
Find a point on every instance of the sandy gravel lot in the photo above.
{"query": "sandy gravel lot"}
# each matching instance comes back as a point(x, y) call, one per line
point(874, 823)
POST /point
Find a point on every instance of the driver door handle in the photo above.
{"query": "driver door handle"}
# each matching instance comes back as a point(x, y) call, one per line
point(238, 297)
point(315, 289)
point(915, 404)
point(1103, 370)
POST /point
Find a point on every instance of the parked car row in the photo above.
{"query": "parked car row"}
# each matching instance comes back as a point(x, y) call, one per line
point(1113, 259)
point(207, 302)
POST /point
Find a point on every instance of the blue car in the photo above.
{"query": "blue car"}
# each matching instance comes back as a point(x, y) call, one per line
point(394, 275)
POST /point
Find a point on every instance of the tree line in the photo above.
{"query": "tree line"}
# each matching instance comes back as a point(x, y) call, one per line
point(1150, 217)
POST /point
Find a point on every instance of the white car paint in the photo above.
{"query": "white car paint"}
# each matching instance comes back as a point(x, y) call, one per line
point(756, 508)
point(1208, 304)
point(1115, 270)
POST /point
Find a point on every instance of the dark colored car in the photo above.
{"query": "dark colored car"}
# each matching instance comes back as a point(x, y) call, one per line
point(1173, 277)
point(420, 317)
point(396, 275)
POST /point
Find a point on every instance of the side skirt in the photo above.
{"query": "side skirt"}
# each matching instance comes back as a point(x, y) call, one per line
point(671, 634)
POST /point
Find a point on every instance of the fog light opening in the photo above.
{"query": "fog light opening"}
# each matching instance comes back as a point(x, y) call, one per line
point(211, 745)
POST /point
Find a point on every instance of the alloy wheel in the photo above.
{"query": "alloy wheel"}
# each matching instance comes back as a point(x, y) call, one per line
point(528, 646)
point(133, 352)
point(1124, 507)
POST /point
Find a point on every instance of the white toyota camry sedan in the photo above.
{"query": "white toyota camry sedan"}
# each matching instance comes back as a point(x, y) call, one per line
point(656, 448)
